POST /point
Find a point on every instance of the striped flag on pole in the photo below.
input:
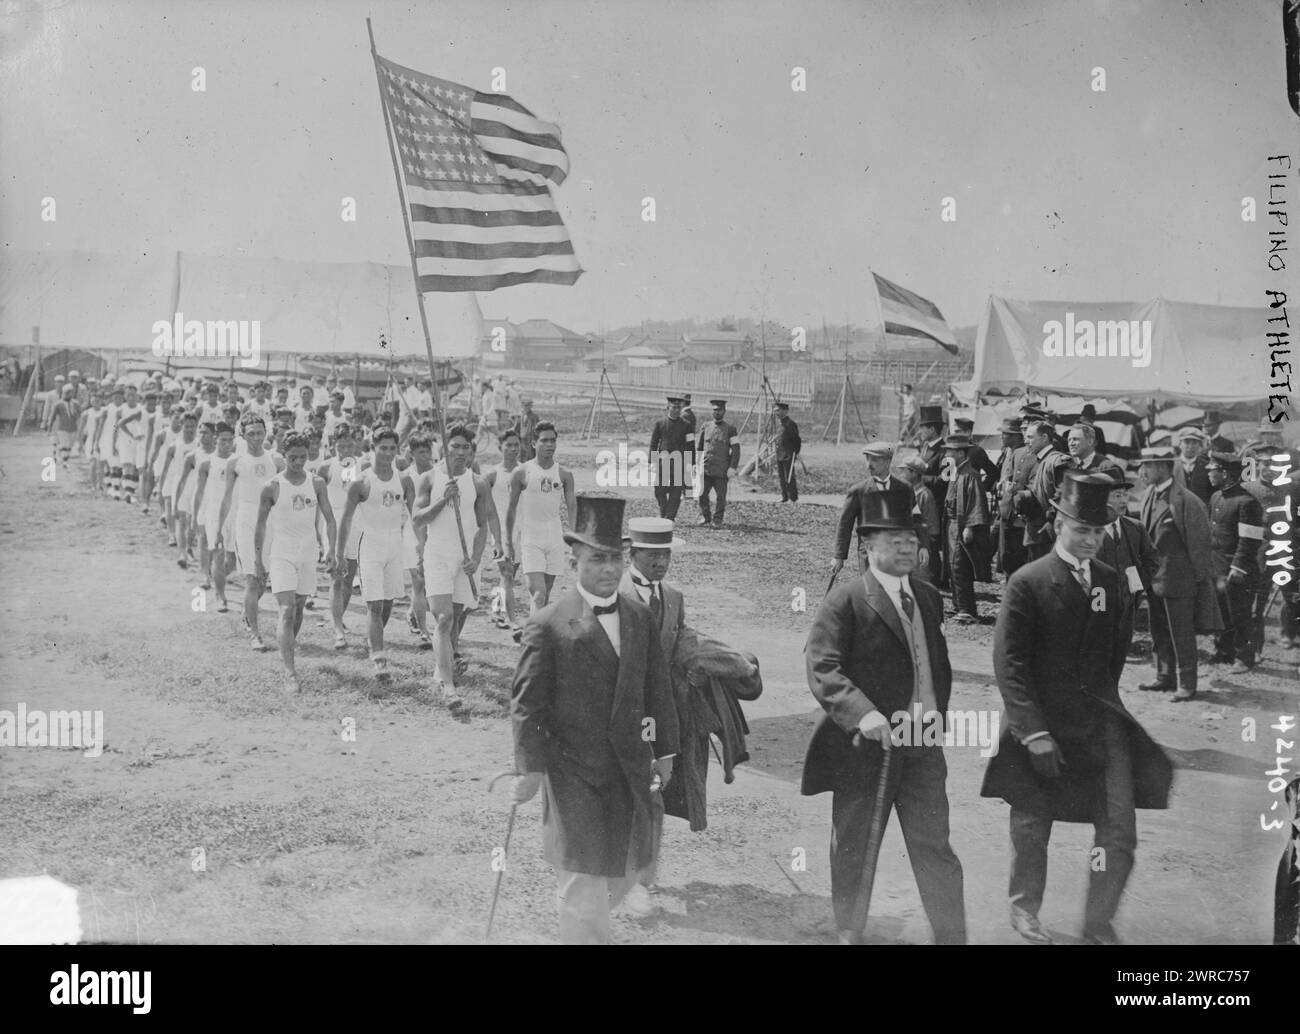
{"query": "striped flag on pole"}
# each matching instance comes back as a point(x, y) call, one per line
point(477, 168)
point(910, 314)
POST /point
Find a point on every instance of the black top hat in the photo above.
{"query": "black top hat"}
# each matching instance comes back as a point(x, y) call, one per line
point(891, 508)
point(1086, 498)
point(599, 522)
point(931, 415)
point(1212, 417)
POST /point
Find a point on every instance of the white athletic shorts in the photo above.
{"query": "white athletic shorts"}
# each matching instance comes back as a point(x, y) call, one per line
point(245, 557)
point(228, 536)
point(382, 562)
point(542, 555)
point(130, 450)
point(410, 546)
point(288, 575)
point(444, 575)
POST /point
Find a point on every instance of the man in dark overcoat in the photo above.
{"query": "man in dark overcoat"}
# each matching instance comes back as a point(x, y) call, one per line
point(594, 724)
point(1070, 751)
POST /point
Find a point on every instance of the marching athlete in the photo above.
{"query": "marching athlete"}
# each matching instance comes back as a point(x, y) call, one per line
point(536, 489)
point(382, 497)
point(288, 506)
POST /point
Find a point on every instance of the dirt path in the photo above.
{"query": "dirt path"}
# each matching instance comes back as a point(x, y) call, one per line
point(307, 837)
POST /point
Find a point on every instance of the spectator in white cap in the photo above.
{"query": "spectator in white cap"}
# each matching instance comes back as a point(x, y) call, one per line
point(1191, 472)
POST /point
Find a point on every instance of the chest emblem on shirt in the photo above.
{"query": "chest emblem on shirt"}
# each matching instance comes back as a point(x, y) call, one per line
point(302, 502)
point(260, 470)
point(390, 497)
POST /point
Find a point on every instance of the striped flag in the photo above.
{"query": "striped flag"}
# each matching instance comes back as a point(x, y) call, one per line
point(477, 169)
point(910, 314)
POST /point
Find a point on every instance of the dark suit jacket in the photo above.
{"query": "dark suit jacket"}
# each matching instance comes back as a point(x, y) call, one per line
point(858, 661)
point(1198, 483)
point(1057, 661)
point(671, 622)
point(1180, 531)
point(1133, 549)
point(852, 508)
point(577, 709)
point(1017, 466)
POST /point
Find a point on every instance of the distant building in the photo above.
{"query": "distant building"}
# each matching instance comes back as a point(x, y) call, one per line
point(718, 346)
point(535, 345)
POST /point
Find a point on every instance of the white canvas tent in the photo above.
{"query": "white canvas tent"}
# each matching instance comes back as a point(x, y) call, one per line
point(1210, 354)
point(111, 302)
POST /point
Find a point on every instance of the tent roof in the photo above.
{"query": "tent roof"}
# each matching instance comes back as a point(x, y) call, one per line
point(1198, 353)
point(100, 301)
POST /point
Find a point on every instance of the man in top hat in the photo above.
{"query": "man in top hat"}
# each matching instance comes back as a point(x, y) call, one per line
point(1128, 549)
point(880, 457)
point(1191, 471)
point(978, 459)
point(717, 447)
point(672, 458)
point(1015, 465)
point(1236, 534)
point(1179, 528)
point(595, 725)
point(876, 657)
point(966, 525)
point(929, 435)
point(1070, 751)
point(651, 545)
point(788, 447)
point(1215, 442)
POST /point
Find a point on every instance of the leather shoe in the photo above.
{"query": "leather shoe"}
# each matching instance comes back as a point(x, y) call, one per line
point(1027, 925)
point(1155, 687)
point(1183, 694)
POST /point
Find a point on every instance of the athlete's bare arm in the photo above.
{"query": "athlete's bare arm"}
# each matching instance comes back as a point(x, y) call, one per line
point(269, 496)
point(518, 478)
point(323, 506)
point(358, 492)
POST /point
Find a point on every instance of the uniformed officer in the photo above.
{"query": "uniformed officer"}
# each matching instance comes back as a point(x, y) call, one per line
point(977, 458)
point(929, 434)
point(1214, 441)
point(1236, 532)
point(966, 524)
point(672, 457)
point(788, 447)
point(718, 447)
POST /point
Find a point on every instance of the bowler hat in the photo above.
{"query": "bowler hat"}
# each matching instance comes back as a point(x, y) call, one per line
point(930, 415)
point(1086, 498)
point(599, 522)
point(650, 533)
point(890, 509)
point(957, 441)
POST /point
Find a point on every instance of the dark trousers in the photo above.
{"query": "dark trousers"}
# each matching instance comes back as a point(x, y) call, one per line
point(669, 500)
point(1173, 633)
point(1115, 836)
point(1290, 617)
point(1011, 548)
point(712, 483)
point(961, 571)
point(917, 792)
point(1236, 604)
point(786, 475)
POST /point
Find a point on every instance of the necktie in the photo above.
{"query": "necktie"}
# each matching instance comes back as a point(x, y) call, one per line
point(656, 602)
point(909, 605)
point(611, 609)
point(1081, 576)
point(882, 485)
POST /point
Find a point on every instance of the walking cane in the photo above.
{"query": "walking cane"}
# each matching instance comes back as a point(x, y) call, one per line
point(505, 854)
point(875, 834)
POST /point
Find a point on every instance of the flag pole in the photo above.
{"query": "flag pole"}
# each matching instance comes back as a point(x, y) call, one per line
point(419, 295)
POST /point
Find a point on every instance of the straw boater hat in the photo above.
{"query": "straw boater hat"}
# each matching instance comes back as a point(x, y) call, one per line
point(651, 533)
point(1086, 498)
point(598, 523)
point(1158, 454)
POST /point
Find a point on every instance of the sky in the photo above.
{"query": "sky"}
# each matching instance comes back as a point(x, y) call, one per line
point(769, 202)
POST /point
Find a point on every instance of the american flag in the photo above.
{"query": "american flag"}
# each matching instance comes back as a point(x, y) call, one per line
point(477, 169)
